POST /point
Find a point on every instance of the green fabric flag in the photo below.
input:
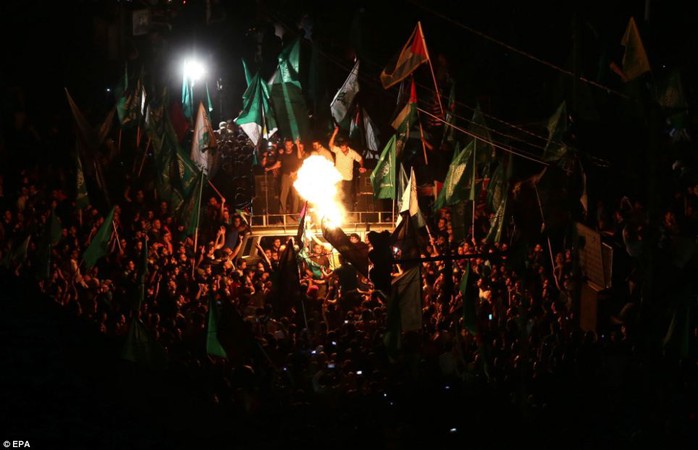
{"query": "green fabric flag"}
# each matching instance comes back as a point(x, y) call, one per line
point(404, 309)
point(671, 98)
point(176, 174)
point(187, 98)
point(213, 345)
point(498, 197)
point(16, 253)
point(288, 68)
point(99, 246)
point(88, 142)
point(558, 125)
point(314, 267)
point(485, 150)
point(141, 348)
point(287, 96)
point(246, 70)
point(191, 211)
point(257, 117)
point(470, 298)
point(209, 103)
point(164, 143)
point(497, 226)
point(383, 175)
point(128, 105)
point(82, 198)
point(498, 187)
point(405, 120)
point(455, 188)
point(449, 132)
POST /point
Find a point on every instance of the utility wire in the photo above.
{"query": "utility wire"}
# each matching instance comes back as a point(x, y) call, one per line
point(483, 139)
point(606, 89)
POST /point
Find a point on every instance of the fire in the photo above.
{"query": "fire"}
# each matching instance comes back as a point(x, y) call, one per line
point(317, 183)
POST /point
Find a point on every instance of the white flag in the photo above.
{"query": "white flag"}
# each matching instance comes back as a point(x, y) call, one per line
point(343, 99)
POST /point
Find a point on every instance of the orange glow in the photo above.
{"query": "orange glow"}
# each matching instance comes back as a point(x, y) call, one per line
point(317, 183)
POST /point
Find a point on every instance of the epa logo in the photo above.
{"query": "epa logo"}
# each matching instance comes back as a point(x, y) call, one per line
point(16, 444)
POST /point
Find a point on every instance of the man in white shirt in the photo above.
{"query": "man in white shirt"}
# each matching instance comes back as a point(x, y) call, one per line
point(344, 163)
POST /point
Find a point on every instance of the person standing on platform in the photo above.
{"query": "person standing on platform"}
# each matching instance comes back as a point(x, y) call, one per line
point(344, 162)
point(320, 150)
point(289, 161)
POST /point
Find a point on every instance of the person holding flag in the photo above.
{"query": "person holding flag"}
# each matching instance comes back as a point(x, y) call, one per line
point(344, 163)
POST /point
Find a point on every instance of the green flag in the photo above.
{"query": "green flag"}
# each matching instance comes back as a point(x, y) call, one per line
point(455, 187)
point(497, 226)
point(191, 211)
point(99, 246)
point(257, 118)
point(287, 96)
point(450, 114)
point(671, 98)
point(469, 294)
point(498, 187)
point(485, 150)
point(383, 175)
point(128, 105)
point(213, 345)
point(405, 120)
point(82, 199)
point(404, 309)
point(187, 98)
point(558, 125)
point(141, 348)
point(16, 253)
point(248, 76)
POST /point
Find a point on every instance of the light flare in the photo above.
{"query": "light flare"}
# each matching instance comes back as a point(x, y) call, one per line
point(317, 183)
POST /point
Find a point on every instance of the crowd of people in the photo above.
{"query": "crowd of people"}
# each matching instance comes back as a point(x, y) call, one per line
point(328, 349)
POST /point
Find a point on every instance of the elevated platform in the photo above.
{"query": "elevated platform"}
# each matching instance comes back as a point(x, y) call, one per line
point(355, 222)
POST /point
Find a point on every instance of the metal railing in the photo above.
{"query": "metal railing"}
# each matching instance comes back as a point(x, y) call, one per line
point(353, 222)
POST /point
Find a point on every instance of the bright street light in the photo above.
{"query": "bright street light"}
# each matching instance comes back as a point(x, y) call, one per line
point(193, 70)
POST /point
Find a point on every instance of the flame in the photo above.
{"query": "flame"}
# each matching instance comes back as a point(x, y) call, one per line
point(317, 183)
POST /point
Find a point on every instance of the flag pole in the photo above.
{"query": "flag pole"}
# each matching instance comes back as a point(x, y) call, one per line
point(421, 135)
point(145, 154)
point(198, 216)
point(550, 249)
point(472, 187)
point(118, 242)
point(431, 68)
point(214, 188)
